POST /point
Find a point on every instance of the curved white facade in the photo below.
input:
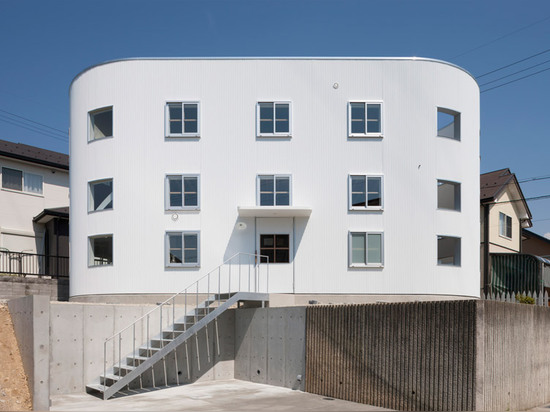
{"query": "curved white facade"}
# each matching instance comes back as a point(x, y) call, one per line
point(317, 154)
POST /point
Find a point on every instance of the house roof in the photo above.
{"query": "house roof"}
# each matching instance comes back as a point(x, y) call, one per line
point(532, 235)
point(492, 185)
point(47, 214)
point(34, 154)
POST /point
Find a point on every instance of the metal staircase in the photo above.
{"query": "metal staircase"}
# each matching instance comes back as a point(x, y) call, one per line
point(238, 279)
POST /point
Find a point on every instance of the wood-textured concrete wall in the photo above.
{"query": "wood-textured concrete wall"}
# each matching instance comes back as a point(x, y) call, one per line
point(514, 360)
point(406, 356)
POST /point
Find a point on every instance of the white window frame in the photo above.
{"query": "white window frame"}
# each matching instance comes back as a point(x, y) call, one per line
point(459, 254)
point(366, 134)
point(90, 195)
point(90, 250)
point(275, 133)
point(91, 115)
point(167, 192)
point(458, 187)
point(23, 176)
point(503, 220)
point(366, 207)
point(366, 234)
point(182, 233)
point(274, 176)
point(457, 122)
point(167, 119)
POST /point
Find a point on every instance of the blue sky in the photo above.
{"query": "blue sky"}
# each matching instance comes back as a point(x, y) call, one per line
point(45, 44)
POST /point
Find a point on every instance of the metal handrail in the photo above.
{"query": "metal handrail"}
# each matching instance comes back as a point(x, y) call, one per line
point(26, 263)
point(159, 307)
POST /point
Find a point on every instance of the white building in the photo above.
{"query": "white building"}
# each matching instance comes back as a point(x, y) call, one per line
point(357, 176)
point(34, 213)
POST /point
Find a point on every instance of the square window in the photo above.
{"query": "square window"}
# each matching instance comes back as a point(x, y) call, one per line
point(365, 119)
point(365, 249)
point(273, 119)
point(448, 123)
point(276, 248)
point(182, 249)
point(365, 192)
point(182, 119)
point(101, 123)
point(505, 225)
point(100, 195)
point(273, 190)
point(100, 250)
point(13, 179)
point(448, 195)
point(448, 251)
point(182, 192)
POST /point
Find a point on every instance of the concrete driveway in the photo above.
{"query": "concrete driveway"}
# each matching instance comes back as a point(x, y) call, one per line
point(210, 396)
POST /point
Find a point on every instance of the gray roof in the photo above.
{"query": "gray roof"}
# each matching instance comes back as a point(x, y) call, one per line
point(34, 154)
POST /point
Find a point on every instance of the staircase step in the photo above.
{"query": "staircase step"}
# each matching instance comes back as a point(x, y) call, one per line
point(124, 368)
point(97, 387)
point(110, 377)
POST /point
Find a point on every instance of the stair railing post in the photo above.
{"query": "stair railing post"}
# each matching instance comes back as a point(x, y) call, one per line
point(197, 303)
point(160, 326)
point(219, 286)
point(229, 285)
point(207, 294)
point(239, 288)
point(119, 350)
point(173, 315)
point(104, 365)
point(267, 278)
point(185, 312)
point(249, 258)
point(133, 347)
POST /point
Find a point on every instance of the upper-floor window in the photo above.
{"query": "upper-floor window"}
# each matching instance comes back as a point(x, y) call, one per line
point(273, 190)
point(100, 195)
point(365, 249)
point(21, 181)
point(365, 192)
point(100, 250)
point(505, 225)
point(273, 119)
point(182, 249)
point(448, 250)
point(100, 123)
point(182, 192)
point(448, 195)
point(182, 119)
point(448, 123)
point(365, 119)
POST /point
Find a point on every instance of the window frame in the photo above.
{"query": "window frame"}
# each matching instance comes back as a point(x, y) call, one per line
point(275, 176)
point(367, 264)
point(23, 175)
point(366, 207)
point(90, 250)
point(458, 198)
point(183, 134)
point(366, 133)
point(455, 258)
point(275, 248)
point(91, 115)
point(167, 205)
point(182, 233)
point(90, 195)
point(275, 133)
point(457, 129)
point(503, 228)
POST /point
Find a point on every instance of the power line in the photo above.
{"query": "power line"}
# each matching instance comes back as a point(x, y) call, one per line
point(501, 37)
point(512, 74)
point(512, 64)
point(32, 121)
point(521, 200)
point(35, 130)
point(516, 80)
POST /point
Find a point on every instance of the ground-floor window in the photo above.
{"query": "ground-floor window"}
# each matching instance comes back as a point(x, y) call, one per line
point(275, 247)
point(365, 249)
point(100, 250)
point(182, 249)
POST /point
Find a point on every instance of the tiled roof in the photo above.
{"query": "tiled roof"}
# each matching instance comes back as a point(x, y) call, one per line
point(492, 183)
point(34, 154)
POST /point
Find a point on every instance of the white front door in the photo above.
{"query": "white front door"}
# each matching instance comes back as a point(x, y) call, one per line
point(274, 238)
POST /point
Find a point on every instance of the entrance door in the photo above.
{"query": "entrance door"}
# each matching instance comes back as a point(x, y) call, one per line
point(274, 238)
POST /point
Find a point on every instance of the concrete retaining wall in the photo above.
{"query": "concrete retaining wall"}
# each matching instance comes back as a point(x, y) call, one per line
point(13, 287)
point(270, 346)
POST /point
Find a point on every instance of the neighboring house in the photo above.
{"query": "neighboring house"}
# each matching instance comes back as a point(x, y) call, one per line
point(356, 176)
point(535, 244)
point(504, 213)
point(34, 215)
